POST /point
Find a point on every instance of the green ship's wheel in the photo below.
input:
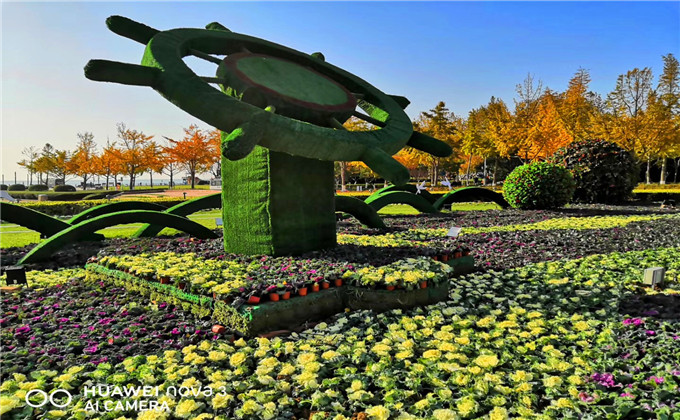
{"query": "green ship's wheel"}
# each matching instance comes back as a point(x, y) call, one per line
point(276, 97)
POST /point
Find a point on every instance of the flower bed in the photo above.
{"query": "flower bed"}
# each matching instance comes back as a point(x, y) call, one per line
point(223, 290)
point(541, 341)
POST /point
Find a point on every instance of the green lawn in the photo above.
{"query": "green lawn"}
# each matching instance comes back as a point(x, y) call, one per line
point(12, 235)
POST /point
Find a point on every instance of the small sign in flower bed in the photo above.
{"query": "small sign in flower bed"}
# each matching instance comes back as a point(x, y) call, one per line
point(265, 294)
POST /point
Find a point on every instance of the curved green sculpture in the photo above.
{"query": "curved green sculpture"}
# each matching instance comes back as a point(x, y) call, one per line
point(35, 220)
point(463, 195)
point(407, 188)
point(400, 197)
point(213, 201)
point(88, 227)
point(113, 208)
point(366, 214)
point(281, 113)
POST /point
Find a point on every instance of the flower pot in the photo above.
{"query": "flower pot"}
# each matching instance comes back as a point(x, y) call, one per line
point(214, 295)
point(302, 291)
point(466, 252)
point(181, 286)
point(165, 280)
point(436, 258)
point(285, 296)
point(274, 297)
point(423, 284)
point(325, 285)
point(254, 299)
point(457, 254)
point(218, 329)
point(337, 282)
point(390, 287)
point(445, 258)
point(315, 287)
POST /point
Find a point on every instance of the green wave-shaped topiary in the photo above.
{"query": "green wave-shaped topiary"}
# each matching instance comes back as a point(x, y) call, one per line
point(400, 197)
point(408, 188)
point(213, 201)
point(40, 222)
point(467, 194)
point(113, 208)
point(366, 214)
point(83, 229)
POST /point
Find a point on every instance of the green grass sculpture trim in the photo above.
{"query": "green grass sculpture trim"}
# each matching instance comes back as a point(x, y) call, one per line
point(464, 195)
point(83, 229)
point(408, 188)
point(213, 201)
point(366, 214)
point(34, 220)
point(113, 208)
point(400, 197)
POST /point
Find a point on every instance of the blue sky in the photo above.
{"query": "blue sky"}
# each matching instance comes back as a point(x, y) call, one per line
point(458, 52)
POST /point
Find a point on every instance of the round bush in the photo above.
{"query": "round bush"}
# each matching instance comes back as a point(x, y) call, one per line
point(3, 187)
point(64, 188)
point(38, 187)
point(604, 172)
point(539, 185)
point(17, 187)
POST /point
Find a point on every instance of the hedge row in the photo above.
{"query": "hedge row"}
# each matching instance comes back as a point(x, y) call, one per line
point(70, 208)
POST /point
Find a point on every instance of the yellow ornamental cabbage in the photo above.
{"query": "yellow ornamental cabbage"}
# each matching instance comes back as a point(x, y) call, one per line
point(432, 354)
point(498, 413)
point(216, 356)
point(378, 412)
point(152, 415)
point(487, 360)
point(237, 359)
point(444, 414)
point(250, 407)
point(552, 381)
point(466, 406)
point(186, 407)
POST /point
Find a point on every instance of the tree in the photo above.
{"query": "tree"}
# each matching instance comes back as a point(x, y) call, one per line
point(546, 133)
point(215, 137)
point(52, 162)
point(195, 152)
point(29, 162)
point(83, 161)
point(526, 108)
point(626, 103)
point(668, 88)
point(154, 158)
point(441, 124)
point(131, 153)
point(108, 164)
point(576, 109)
point(169, 162)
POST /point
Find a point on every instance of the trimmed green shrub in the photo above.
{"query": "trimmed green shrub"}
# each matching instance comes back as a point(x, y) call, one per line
point(3, 187)
point(70, 208)
point(604, 172)
point(540, 185)
point(17, 187)
point(64, 188)
point(38, 187)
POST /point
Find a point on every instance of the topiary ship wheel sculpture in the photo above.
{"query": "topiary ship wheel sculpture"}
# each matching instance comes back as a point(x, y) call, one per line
point(281, 113)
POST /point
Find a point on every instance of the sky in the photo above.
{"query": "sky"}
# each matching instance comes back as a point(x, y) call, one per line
point(461, 53)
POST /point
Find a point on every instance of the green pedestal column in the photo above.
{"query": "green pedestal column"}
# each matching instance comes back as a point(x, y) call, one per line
point(277, 204)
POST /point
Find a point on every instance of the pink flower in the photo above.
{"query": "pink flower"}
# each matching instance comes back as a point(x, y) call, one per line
point(657, 379)
point(627, 395)
point(585, 397)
